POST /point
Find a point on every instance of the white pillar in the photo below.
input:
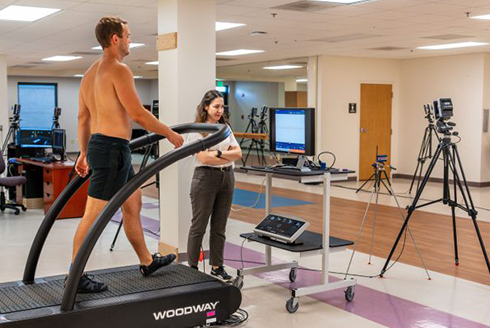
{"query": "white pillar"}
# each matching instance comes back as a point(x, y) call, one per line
point(4, 110)
point(184, 75)
point(313, 101)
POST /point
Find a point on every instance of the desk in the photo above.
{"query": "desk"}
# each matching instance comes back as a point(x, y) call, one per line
point(246, 135)
point(54, 179)
point(313, 244)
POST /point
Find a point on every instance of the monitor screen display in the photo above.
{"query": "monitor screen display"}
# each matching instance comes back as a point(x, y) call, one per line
point(35, 138)
point(292, 130)
point(59, 141)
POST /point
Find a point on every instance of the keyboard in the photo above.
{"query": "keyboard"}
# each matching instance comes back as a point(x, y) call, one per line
point(42, 159)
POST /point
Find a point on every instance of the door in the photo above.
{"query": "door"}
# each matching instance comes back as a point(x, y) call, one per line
point(375, 132)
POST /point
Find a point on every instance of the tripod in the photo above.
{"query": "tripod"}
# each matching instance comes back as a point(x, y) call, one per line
point(452, 162)
point(256, 144)
point(425, 151)
point(14, 125)
point(148, 151)
point(380, 159)
point(379, 172)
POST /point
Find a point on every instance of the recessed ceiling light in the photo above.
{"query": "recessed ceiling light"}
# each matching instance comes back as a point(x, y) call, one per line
point(62, 58)
point(138, 77)
point(131, 46)
point(344, 1)
point(283, 67)
point(238, 52)
point(453, 45)
point(487, 17)
point(301, 80)
point(152, 63)
point(25, 14)
point(78, 75)
point(220, 26)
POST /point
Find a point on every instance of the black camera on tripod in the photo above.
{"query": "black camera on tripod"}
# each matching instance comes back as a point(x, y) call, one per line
point(443, 111)
point(15, 118)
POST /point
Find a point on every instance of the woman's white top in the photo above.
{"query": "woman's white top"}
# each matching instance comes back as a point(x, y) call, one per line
point(222, 146)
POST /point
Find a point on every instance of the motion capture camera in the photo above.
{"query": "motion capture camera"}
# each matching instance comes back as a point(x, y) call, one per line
point(443, 108)
point(443, 111)
point(15, 118)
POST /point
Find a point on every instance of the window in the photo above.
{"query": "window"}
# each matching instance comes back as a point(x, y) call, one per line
point(37, 102)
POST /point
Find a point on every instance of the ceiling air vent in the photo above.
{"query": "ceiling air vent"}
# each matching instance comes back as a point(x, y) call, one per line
point(21, 66)
point(85, 53)
point(346, 37)
point(307, 6)
point(387, 48)
point(39, 63)
point(224, 59)
point(447, 37)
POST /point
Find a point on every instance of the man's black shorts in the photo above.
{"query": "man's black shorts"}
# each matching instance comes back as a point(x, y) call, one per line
point(109, 158)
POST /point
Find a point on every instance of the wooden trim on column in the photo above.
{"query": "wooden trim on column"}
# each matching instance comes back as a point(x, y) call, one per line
point(167, 41)
point(470, 183)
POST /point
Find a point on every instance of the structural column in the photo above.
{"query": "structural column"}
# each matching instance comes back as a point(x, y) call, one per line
point(313, 101)
point(4, 111)
point(187, 69)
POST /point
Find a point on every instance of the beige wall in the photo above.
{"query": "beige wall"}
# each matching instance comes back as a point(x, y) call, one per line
point(339, 81)
point(415, 82)
point(424, 80)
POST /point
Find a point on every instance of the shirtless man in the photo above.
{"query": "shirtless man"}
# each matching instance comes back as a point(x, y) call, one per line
point(107, 103)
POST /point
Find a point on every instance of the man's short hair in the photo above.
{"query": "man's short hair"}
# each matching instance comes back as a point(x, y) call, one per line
point(107, 27)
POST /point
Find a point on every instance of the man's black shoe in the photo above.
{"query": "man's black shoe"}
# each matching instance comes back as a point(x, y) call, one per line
point(195, 267)
point(158, 262)
point(220, 273)
point(87, 284)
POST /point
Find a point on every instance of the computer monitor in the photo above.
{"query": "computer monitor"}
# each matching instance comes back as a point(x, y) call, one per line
point(35, 138)
point(292, 131)
point(59, 142)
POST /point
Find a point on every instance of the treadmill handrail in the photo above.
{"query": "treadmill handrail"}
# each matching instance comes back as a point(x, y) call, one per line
point(76, 183)
point(78, 266)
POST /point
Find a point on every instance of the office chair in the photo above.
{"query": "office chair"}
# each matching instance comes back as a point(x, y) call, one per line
point(9, 182)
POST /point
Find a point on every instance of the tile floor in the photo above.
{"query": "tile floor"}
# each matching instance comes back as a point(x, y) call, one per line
point(403, 299)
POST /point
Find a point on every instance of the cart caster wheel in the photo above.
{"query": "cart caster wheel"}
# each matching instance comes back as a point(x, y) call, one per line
point(24, 209)
point(349, 293)
point(292, 305)
point(2, 209)
point(17, 211)
point(238, 282)
point(292, 274)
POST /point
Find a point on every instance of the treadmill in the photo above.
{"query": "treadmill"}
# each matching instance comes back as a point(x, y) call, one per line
point(174, 296)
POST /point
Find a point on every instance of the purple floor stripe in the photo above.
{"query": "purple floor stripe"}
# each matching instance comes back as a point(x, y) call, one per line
point(379, 307)
point(382, 308)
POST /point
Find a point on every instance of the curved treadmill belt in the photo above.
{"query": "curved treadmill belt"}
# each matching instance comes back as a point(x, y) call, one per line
point(121, 282)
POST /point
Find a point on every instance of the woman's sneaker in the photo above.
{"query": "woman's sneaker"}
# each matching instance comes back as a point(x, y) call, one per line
point(220, 273)
point(159, 261)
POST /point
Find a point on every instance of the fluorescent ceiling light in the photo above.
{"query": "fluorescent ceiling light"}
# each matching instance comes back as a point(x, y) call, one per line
point(453, 45)
point(301, 80)
point(344, 1)
point(152, 63)
point(25, 14)
point(220, 26)
point(62, 58)
point(138, 77)
point(487, 17)
point(131, 46)
point(78, 75)
point(282, 67)
point(238, 52)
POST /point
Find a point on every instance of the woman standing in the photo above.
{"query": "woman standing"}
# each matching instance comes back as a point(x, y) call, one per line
point(212, 187)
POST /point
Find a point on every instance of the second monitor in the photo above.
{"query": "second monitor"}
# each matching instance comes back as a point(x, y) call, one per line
point(292, 131)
